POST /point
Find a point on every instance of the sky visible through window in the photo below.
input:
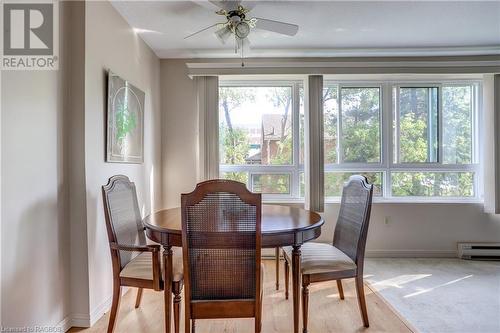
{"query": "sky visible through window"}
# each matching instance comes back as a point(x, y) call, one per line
point(249, 113)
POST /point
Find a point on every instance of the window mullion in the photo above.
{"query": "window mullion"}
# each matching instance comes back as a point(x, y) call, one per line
point(397, 119)
point(388, 138)
point(295, 181)
point(477, 150)
point(440, 121)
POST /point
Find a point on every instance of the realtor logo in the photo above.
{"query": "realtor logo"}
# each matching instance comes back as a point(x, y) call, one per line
point(29, 38)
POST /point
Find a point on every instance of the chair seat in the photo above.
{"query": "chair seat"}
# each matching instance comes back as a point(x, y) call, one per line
point(141, 267)
point(321, 258)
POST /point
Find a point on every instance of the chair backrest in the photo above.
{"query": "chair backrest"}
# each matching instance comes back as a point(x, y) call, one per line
point(354, 216)
point(123, 218)
point(221, 238)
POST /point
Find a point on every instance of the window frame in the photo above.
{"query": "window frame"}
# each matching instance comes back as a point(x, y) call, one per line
point(295, 168)
point(395, 113)
point(387, 166)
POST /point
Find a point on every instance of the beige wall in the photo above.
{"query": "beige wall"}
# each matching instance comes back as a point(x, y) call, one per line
point(35, 247)
point(55, 265)
point(74, 126)
point(413, 229)
point(179, 131)
point(55, 261)
point(35, 256)
point(112, 44)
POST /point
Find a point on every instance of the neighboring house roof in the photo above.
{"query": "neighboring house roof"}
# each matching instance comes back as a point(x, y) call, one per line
point(272, 125)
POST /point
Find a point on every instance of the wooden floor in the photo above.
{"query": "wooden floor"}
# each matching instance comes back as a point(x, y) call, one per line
point(327, 313)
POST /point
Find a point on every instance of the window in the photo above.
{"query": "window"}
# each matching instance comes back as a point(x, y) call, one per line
point(359, 116)
point(352, 135)
point(259, 136)
point(416, 125)
point(434, 128)
point(409, 140)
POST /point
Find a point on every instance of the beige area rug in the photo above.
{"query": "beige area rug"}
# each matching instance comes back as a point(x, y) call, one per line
point(327, 313)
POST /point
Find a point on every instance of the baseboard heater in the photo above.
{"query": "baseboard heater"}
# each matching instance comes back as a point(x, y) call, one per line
point(479, 251)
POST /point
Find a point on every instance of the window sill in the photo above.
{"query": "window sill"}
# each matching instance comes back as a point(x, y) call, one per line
point(278, 201)
point(377, 200)
point(434, 201)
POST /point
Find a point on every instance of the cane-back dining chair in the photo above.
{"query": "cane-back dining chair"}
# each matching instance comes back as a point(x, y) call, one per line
point(345, 257)
point(221, 243)
point(135, 263)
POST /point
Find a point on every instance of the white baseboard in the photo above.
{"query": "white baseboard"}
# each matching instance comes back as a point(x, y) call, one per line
point(411, 254)
point(64, 325)
point(100, 310)
point(88, 320)
point(397, 254)
point(80, 320)
point(270, 257)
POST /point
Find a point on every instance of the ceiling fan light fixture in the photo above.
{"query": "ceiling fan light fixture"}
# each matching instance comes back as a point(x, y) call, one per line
point(242, 29)
point(223, 34)
point(238, 26)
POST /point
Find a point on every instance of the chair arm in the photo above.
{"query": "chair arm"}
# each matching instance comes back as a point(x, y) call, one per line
point(155, 250)
point(138, 248)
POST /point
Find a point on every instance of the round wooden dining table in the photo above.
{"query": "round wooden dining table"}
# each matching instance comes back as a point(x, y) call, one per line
point(281, 226)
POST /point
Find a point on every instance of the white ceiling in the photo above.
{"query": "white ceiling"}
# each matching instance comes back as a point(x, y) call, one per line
point(327, 28)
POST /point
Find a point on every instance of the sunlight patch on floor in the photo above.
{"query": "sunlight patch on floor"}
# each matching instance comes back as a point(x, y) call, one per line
point(423, 291)
point(398, 281)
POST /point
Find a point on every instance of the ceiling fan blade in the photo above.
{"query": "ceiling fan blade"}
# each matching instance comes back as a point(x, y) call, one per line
point(223, 34)
point(227, 5)
point(206, 4)
point(183, 7)
point(276, 26)
point(249, 5)
point(200, 31)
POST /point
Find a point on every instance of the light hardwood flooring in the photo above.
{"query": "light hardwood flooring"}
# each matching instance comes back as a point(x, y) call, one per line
point(327, 313)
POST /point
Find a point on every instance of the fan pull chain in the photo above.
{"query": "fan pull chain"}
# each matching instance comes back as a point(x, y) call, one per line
point(242, 57)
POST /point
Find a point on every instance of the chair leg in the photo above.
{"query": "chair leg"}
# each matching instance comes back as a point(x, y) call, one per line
point(277, 268)
point(138, 298)
point(258, 316)
point(117, 291)
point(287, 278)
point(305, 303)
point(361, 299)
point(258, 322)
point(177, 306)
point(340, 288)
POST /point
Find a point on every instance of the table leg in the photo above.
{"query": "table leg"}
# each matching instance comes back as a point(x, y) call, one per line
point(277, 259)
point(296, 286)
point(167, 286)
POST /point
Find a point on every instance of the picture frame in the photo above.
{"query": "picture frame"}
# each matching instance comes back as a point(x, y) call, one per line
point(125, 121)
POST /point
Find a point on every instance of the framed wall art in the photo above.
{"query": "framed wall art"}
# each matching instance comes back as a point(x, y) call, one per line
point(125, 121)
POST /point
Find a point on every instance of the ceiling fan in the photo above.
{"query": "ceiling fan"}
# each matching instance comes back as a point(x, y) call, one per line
point(238, 25)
